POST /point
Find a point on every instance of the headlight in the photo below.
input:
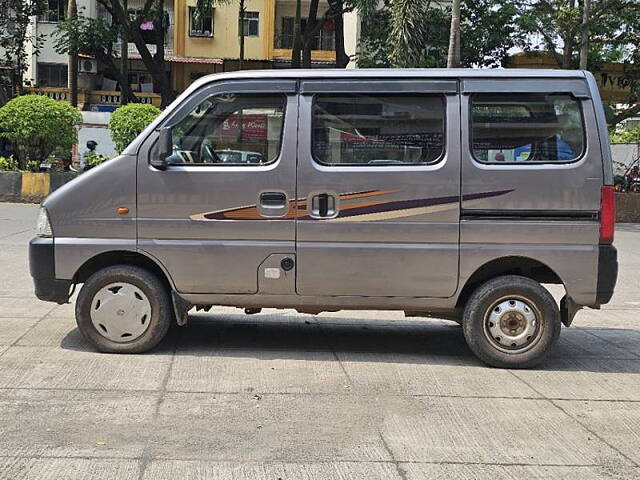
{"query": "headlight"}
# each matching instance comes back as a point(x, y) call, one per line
point(43, 227)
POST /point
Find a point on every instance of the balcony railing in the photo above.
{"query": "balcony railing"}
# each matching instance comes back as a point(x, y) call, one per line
point(94, 97)
point(323, 41)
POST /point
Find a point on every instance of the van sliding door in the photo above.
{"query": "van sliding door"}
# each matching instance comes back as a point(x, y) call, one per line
point(378, 187)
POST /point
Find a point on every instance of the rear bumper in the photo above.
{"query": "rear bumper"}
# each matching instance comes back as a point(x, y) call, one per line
point(42, 268)
point(607, 273)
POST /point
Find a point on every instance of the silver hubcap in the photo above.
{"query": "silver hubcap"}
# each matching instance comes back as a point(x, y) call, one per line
point(512, 325)
point(121, 312)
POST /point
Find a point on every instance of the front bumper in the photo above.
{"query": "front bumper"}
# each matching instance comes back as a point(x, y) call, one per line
point(607, 273)
point(42, 268)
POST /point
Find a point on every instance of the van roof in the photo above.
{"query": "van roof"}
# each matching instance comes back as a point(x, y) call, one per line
point(361, 73)
point(394, 73)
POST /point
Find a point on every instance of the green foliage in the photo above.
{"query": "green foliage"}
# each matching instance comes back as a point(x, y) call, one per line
point(33, 166)
point(90, 36)
point(9, 164)
point(92, 159)
point(38, 126)
point(631, 135)
point(416, 34)
point(128, 121)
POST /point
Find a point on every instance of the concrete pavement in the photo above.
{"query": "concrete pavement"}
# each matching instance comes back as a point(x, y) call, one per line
point(280, 395)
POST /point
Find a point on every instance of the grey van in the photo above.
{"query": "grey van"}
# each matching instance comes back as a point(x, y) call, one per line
point(450, 194)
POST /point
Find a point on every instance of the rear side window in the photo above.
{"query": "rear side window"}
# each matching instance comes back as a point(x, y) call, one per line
point(526, 128)
point(378, 130)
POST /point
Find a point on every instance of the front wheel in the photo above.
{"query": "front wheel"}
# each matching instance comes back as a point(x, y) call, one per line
point(511, 322)
point(123, 309)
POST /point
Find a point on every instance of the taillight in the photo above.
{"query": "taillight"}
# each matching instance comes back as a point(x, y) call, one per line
point(607, 214)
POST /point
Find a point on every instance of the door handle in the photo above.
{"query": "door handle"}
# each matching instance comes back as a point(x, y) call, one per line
point(273, 200)
point(324, 205)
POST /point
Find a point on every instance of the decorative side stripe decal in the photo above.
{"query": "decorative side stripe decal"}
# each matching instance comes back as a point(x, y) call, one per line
point(370, 210)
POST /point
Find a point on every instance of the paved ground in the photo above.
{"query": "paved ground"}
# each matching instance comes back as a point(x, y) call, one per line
point(365, 395)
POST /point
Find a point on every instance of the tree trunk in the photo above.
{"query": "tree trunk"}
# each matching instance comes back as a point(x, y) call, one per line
point(584, 42)
point(337, 12)
point(297, 39)
point(453, 58)
point(309, 33)
point(72, 14)
point(241, 14)
point(567, 51)
point(124, 60)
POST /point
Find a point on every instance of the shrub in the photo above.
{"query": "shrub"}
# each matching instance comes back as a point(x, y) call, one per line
point(9, 164)
point(92, 159)
point(38, 126)
point(128, 121)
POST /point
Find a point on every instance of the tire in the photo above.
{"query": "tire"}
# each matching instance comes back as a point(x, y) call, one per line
point(124, 309)
point(511, 322)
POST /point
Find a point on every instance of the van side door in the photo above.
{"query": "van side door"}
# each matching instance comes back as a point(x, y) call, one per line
point(378, 188)
point(223, 204)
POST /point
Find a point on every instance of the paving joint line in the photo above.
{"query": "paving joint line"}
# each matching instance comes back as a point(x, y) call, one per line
point(402, 473)
point(316, 394)
point(585, 427)
point(146, 457)
point(305, 462)
point(333, 350)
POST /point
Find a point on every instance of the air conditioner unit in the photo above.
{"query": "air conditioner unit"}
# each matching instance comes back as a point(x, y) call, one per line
point(86, 65)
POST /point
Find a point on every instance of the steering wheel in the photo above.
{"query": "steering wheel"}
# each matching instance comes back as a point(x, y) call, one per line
point(208, 154)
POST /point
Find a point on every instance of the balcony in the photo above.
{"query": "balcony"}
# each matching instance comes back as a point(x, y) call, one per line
point(88, 98)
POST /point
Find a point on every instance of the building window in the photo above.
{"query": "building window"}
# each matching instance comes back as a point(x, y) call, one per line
point(251, 24)
point(378, 130)
point(323, 40)
point(526, 128)
point(55, 12)
point(200, 22)
point(52, 75)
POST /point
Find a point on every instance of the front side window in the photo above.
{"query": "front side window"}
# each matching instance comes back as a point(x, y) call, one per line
point(230, 130)
point(374, 130)
point(200, 22)
point(526, 128)
point(251, 24)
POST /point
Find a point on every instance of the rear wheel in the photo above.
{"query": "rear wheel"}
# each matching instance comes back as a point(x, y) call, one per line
point(123, 309)
point(511, 322)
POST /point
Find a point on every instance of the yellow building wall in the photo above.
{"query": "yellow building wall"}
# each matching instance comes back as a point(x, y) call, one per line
point(225, 42)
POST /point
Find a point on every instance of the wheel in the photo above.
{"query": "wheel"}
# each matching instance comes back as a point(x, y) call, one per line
point(511, 322)
point(124, 309)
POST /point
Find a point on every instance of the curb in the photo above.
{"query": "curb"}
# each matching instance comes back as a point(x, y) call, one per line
point(28, 187)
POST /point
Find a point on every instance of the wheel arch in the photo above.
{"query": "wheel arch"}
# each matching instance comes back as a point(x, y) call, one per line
point(123, 257)
point(508, 265)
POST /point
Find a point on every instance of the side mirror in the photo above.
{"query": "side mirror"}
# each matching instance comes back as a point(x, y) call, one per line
point(165, 149)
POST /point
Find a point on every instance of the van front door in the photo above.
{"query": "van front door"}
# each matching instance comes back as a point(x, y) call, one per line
point(378, 188)
point(222, 205)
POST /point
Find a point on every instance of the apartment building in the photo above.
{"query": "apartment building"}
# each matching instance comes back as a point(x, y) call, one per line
point(196, 43)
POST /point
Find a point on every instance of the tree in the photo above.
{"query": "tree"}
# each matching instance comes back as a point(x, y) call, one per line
point(39, 126)
point(417, 34)
point(72, 16)
point(304, 38)
point(155, 64)
point(453, 57)
point(15, 38)
point(94, 37)
point(608, 32)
